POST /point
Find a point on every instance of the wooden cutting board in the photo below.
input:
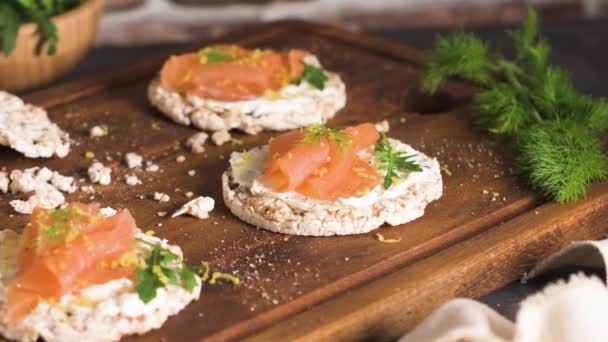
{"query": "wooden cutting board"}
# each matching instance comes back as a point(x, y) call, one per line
point(484, 232)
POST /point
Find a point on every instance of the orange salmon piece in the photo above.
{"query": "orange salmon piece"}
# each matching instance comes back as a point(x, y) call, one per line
point(324, 170)
point(247, 74)
point(83, 250)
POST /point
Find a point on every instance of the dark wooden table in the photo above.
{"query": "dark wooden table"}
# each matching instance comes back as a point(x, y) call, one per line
point(576, 45)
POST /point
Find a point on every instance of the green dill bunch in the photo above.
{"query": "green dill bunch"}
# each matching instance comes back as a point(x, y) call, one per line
point(500, 110)
point(459, 54)
point(560, 158)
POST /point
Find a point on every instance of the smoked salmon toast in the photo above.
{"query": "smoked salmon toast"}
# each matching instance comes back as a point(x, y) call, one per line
point(76, 275)
point(320, 181)
point(224, 87)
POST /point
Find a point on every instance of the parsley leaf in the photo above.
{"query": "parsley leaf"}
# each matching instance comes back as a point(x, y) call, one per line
point(9, 25)
point(554, 130)
point(314, 76)
point(392, 160)
point(15, 12)
point(146, 285)
point(161, 268)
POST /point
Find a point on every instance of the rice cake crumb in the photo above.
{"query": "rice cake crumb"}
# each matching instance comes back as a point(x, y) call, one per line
point(221, 137)
point(46, 197)
point(87, 188)
point(191, 173)
point(133, 160)
point(100, 174)
point(132, 180)
point(197, 142)
point(161, 197)
point(151, 167)
point(46, 184)
point(63, 183)
point(4, 180)
point(180, 159)
point(98, 131)
point(198, 207)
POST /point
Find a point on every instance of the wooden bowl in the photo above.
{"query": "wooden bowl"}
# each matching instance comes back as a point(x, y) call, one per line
point(23, 69)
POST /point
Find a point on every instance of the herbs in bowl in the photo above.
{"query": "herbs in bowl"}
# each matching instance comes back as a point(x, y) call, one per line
point(41, 40)
point(554, 130)
point(16, 12)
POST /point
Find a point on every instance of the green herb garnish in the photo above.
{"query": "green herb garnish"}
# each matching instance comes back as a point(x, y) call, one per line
point(553, 129)
point(161, 268)
point(15, 12)
point(314, 76)
point(314, 133)
point(62, 229)
point(392, 160)
point(215, 56)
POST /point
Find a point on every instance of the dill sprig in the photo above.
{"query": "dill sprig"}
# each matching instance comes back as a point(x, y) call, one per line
point(161, 268)
point(314, 133)
point(392, 160)
point(560, 157)
point(554, 129)
point(211, 55)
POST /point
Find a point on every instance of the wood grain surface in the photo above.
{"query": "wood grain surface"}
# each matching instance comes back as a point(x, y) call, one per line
point(481, 234)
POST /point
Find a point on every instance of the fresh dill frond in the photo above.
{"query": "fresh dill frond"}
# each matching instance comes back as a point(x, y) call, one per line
point(500, 111)
point(460, 54)
point(560, 158)
point(553, 127)
point(217, 56)
point(211, 55)
point(392, 160)
point(314, 133)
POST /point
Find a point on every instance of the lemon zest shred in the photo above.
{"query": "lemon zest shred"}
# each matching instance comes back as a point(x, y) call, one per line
point(219, 275)
point(159, 273)
point(382, 239)
point(84, 302)
point(205, 275)
point(445, 169)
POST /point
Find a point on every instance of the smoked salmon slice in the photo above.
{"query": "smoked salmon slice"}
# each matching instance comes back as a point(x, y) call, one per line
point(322, 170)
point(231, 73)
point(65, 250)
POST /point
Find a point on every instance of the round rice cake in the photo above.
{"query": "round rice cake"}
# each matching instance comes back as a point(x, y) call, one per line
point(27, 129)
point(293, 106)
point(101, 313)
point(293, 213)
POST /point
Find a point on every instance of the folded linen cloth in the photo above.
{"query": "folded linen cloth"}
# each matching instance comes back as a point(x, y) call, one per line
point(570, 310)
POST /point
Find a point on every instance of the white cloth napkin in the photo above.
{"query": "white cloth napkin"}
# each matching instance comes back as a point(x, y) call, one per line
point(573, 310)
